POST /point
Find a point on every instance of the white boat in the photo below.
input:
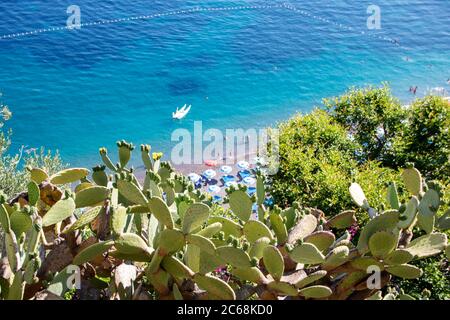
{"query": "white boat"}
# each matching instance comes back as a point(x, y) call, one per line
point(181, 113)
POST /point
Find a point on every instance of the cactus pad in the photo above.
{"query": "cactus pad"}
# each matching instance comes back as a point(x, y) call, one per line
point(392, 196)
point(304, 227)
point(282, 288)
point(273, 261)
point(229, 227)
point(412, 180)
point(59, 212)
point(382, 243)
point(87, 217)
point(405, 271)
point(91, 196)
point(132, 244)
point(311, 278)
point(252, 274)
point(160, 210)
point(20, 222)
point(234, 256)
point(407, 218)
point(171, 241)
point(427, 245)
point(316, 292)
point(176, 268)
point(254, 230)
point(306, 253)
point(258, 246)
point(131, 192)
point(118, 220)
point(278, 227)
point(343, 220)
point(427, 210)
point(321, 239)
point(219, 289)
point(358, 196)
point(92, 252)
point(202, 242)
point(33, 193)
point(384, 222)
point(69, 175)
point(336, 257)
point(195, 216)
point(241, 204)
point(38, 175)
point(399, 256)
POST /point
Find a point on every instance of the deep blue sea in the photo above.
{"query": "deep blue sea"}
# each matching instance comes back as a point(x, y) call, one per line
point(78, 90)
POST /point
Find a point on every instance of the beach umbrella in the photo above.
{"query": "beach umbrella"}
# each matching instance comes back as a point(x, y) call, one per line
point(228, 178)
point(209, 174)
point(231, 183)
point(251, 191)
point(214, 189)
point(243, 165)
point(217, 198)
point(245, 173)
point(226, 169)
point(194, 177)
point(249, 181)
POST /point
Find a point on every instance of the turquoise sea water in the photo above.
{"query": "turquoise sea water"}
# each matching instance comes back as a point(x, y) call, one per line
point(246, 67)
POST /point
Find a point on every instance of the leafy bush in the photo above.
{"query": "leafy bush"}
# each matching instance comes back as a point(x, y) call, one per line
point(435, 279)
point(427, 137)
point(374, 118)
point(13, 174)
point(318, 163)
point(396, 135)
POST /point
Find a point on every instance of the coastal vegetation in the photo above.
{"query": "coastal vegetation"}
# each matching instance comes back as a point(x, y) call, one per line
point(361, 212)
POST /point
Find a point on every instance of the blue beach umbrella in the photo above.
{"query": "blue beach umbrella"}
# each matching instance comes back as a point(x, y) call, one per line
point(251, 191)
point(226, 169)
point(217, 198)
point(249, 181)
point(214, 189)
point(209, 174)
point(228, 178)
point(245, 173)
point(231, 183)
point(194, 177)
point(242, 165)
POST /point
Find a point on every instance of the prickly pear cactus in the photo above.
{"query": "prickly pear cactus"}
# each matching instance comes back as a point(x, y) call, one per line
point(160, 238)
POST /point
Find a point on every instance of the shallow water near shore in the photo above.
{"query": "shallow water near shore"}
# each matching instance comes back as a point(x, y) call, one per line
point(242, 68)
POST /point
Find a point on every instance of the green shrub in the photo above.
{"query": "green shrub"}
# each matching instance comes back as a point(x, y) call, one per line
point(13, 174)
point(373, 117)
point(427, 137)
point(318, 163)
point(395, 135)
point(435, 279)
